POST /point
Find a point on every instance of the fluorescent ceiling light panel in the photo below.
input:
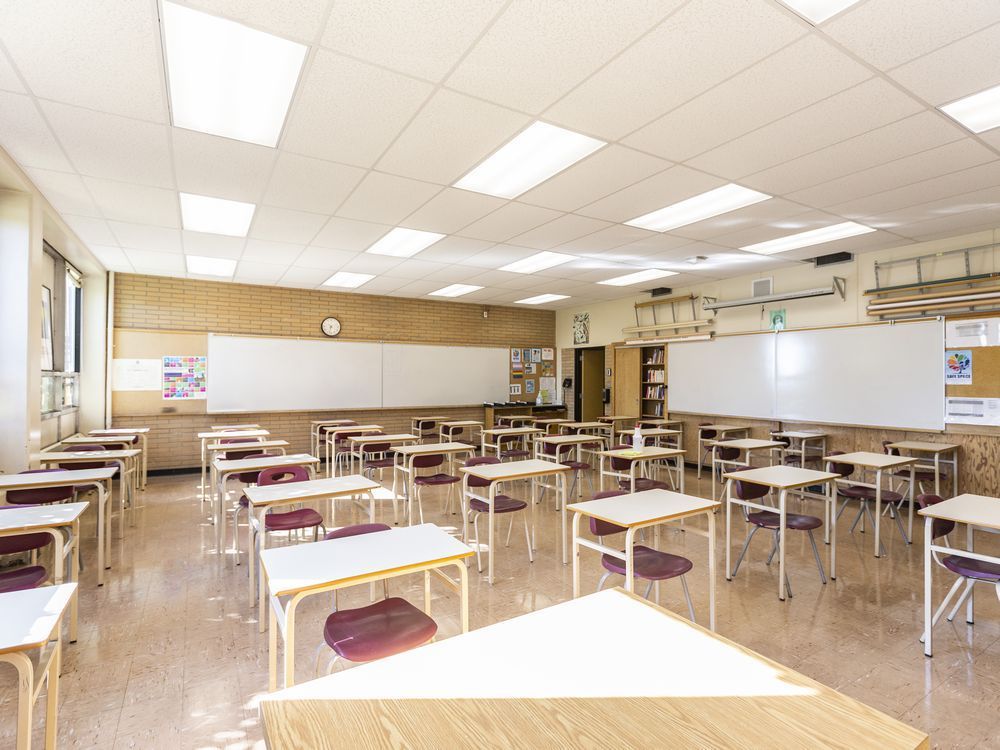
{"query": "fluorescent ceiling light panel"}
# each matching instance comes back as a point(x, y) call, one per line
point(979, 112)
point(817, 11)
point(203, 266)
point(403, 243)
point(713, 203)
point(226, 78)
point(538, 262)
point(455, 290)
point(541, 299)
point(347, 280)
point(537, 153)
point(812, 237)
point(638, 277)
point(202, 213)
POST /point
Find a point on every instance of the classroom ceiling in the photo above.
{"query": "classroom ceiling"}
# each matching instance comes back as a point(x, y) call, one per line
point(398, 99)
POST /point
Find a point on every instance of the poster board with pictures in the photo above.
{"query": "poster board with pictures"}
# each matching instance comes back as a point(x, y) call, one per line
point(142, 344)
point(972, 370)
point(533, 370)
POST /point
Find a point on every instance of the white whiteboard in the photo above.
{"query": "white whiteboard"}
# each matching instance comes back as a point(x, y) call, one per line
point(731, 375)
point(250, 374)
point(414, 375)
point(882, 375)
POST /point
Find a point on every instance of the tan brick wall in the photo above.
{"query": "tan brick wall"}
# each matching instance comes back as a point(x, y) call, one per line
point(159, 303)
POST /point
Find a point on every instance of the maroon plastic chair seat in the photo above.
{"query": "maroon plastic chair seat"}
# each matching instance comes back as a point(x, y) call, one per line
point(868, 493)
point(356, 530)
point(382, 629)
point(604, 528)
point(969, 568)
point(501, 504)
point(768, 520)
point(576, 465)
point(15, 545)
point(20, 579)
point(435, 480)
point(650, 564)
point(294, 519)
point(250, 477)
point(42, 495)
point(88, 465)
point(379, 463)
point(642, 484)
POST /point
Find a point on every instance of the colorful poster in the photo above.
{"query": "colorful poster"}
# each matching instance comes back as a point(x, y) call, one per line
point(581, 328)
point(548, 353)
point(517, 367)
point(529, 386)
point(536, 355)
point(530, 368)
point(958, 367)
point(515, 356)
point(184, 377)
point(526, 355)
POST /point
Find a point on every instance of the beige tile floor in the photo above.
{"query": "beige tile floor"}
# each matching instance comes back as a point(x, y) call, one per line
point(169, 655)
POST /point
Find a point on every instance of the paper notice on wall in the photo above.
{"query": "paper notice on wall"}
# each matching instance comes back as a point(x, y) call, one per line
point(972, 411)
point(547, 387)
point(136, 374)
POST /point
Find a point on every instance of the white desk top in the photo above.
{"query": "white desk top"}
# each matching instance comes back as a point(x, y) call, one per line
point(235, 426)
point(659, 420)
point(651, 432)
point(433, 418)
point(923, 447)
point(55, 478)
point(639, 508)
point(50, 457)
point(548, 420)
point(614, 418)
point(265, 462)
point(799, 435)
point(531, 467)
point(338, 429)
point(30, 617)
point(463, 423)
point(331, 421)
point(410, 450)
point(223, 434)
point(301, 567)
point(121, 431)
point(871, 460)
point(646, 452)
point(394, 438)
point(748, 444)
point(569, 439)
point(261, 445)
point(782, 477)
point(721, 427)
point(98, 440)
point(977, 510)
point(512, 431)
point(27, 518)
point(309, 490)
point(588, 425)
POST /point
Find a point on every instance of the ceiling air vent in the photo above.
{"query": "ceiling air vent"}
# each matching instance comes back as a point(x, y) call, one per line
point(762, 287)
point(833, 259)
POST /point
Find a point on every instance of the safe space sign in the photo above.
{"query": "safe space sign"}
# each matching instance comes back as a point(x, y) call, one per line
point(958, 367)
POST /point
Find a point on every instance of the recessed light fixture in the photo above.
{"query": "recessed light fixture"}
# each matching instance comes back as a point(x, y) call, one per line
point(817, 11)
point(719, 201)
point(541, 299)
point(347, 280)
point(812, 237)
point(638, 277)
point(538, 262)
point(227, 79)
point(204, 266)
point(455, 290)
point(533, 156)
point(202, 213)
point(403, 243)
point(979, 112)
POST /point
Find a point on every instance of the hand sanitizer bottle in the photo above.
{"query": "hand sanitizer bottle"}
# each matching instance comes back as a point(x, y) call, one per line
point(637, 438)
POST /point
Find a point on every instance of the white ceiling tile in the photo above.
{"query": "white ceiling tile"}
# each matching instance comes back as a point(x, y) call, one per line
point(992, 138)
point(378, 285)
point(801, 74)
point(764, 212)
point(148, 261)
point(673, 185)
point(256, 272)
point(8, 76)
point(272, 253)
point(324, 258)
point(536, 51)
point(962, 68)
point(416, 269)
point(454, 249)
point(452, 209)
point(112, 147)
point(948, 226)
point(607, 239)
point(112, 258)
point(285, 225)
point(212, 245)
point(145, 237)
point(136, 204)
point(501, 279)
point(449, 274)
point(559, 231)
point(888, 33)
point(424, 38)
point(91, 231)
point(414, 288)
point(449, 136)
point(220, 167)
point(609, 169)
point(644, 248)
point(376, 264)
point(386, 198)
point(301, 20)
point(348, 234)
point(297, 275)
point(310, 184)
point(849, 113)
point(700, 46)
point(66, 192)
point(26, 136)
point(104, 56)
point(348, 111)
point(512, 219)
point(772, 230)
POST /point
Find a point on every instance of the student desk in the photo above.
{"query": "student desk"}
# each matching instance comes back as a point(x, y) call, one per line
point(659, 435)
point(746, 446)
point(416, 421)
point(916, 448)
point(495, 474)
point(547, 423)
point(206, 437)
point(293, 573)
point(127, 478)
point(640, 510)
point(143, 433)
point(547, 681)
point(649, 454)
point(408, 452)
point(99, 479)
point(334, 432)
point(447, 428)
point(603, 430)
point(721, 433)
point(358, 443)
point(525, 433)
point(262, 499)
point(878, 462)
point(515, 420)
point(234, 427)
point(316, 432)
point(123, 442)
point(615, 419)
point(784, 479)
point(664, 422)
point(801, 444)
point(31, 622)
point(262, 446)
point(225, 469)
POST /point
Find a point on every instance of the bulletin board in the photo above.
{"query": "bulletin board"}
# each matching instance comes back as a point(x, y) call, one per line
point(532, 368)
point(130, 343)
point(985, 358)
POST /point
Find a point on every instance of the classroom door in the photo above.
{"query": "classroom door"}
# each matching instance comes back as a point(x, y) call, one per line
point(626, 388)
point(590, 394)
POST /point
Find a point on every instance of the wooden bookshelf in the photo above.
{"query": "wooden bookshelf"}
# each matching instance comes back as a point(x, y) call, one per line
point(653, 381)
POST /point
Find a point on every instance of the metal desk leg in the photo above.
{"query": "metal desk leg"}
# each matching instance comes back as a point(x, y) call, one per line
point(928, 521)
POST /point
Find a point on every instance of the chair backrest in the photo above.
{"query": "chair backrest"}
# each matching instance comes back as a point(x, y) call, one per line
point(332, 427)
point(479, 461)
point(454, 432)
point(428, 462)
point(236, 455)
point(845, 470)
point(250, 477)
point(282, 475)
point(620, 464)
point(940, 526)
point(783, 440)
point(707, 434)
point(42, 494)
point(18, 543)
point(749, 490)
point(88, 465)
point(727, 454)
point(887, 449)
point(356, 530)
point(604, 528)
point(505, 439)
point(426, 425)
